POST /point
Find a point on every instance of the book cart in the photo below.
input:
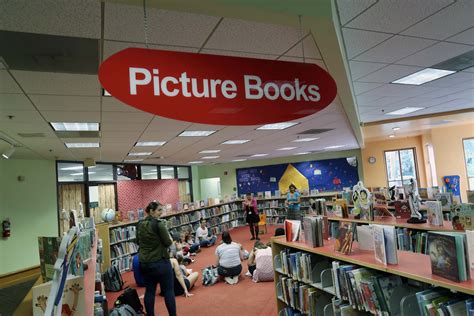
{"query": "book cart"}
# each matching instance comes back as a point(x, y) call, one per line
point(413, 266)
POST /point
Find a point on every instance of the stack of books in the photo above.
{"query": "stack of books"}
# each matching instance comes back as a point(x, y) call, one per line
point(410, 240)
point(438, 301)
point(315, 230)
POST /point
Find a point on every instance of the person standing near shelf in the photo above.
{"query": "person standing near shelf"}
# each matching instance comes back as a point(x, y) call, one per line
point(202, 236)
point(293, 203)
point(153, 240)
point(251, 215)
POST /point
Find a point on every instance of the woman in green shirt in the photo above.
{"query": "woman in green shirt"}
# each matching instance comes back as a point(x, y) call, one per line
point(153, 240)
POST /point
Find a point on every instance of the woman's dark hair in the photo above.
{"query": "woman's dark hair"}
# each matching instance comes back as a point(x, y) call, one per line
point(153, 206)
point(279, 231)
point(292, 186)
point(259, 245)
point(226, 237)
point(248, 193)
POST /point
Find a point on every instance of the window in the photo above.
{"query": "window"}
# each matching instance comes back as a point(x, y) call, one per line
point(431, 161)
point(401, 166)
point(149, 172)
point(167, 172)
point(183, 172)
point(468, 144)
point(101, 172)
point(70, 172)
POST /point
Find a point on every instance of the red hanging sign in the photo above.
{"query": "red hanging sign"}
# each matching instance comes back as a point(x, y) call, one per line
point(219, 90)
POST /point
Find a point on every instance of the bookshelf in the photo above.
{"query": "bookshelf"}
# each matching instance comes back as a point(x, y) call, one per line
point(413, 266)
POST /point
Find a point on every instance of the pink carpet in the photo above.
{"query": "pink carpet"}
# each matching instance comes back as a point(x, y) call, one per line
point(244, 298)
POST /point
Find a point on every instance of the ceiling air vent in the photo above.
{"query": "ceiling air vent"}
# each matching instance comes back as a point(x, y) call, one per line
point(74, 134)
point(315, 131)
point(31, 135)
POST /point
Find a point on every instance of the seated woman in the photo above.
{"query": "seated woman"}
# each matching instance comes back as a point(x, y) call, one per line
point(184, 280)
point(189, 246)
point(229, 256)
point(260, 263)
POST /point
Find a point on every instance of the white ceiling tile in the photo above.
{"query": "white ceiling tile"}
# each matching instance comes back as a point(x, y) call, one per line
point(358, 41)
point(361, 87)
point(455, 80)
point(465, 94)
point(469, 69)
point(112, 47)
point(460, 92)
point(162, 135)
point(310, 49)
point(237, 54)
point(318, 62)
point(126, 136)
point(19, 117)
point(362, 68)
point(389, 74)
point(453, 105)
point(466, 37)
point(7, 84)
point(71, 116)
point(124, 117)
point(394, 16)
point(435, 54)
point(79, 18)
point(66, 103)
point(17, 102)
point(448, 22)
point(111, 104)
point(247, 36)
point(125, 23)
point(57, 83)
point(160, 123)
point(349, 9)
point(394, 49)
point(111, 126)
point(396, 90)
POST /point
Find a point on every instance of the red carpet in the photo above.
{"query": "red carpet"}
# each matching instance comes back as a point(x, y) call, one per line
point(244, 298)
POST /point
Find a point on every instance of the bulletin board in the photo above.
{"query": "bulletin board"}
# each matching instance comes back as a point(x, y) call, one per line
point(324, 175)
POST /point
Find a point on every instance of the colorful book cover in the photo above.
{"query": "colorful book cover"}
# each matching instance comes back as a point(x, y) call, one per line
point(442, 252)
point(48, 253)
point(466, 215)
point(446, 200)
point(292, 230)
point(345, 237)
point(470, 196)
point(387, 285)
point(435, 213)
point(379, 244)
point(402, 209)
point(470, 247)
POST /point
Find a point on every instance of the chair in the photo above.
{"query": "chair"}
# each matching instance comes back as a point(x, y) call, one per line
point(262, 223)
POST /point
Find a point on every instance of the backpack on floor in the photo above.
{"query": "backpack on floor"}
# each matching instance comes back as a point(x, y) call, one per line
point(136, 272)
point(112, 279)
point(130, 297)
point(209, 276)
point(123, 310)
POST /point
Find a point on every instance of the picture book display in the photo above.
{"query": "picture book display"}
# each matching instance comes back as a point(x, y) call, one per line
point(435, 213)
point(48, 253)
point(446, 199)
point(345, 237)
point(292, 230)
point(470, 247)
point(365, 237)
point(385, 244)
point(315, 230)
point(402, 209)
point(465, 212)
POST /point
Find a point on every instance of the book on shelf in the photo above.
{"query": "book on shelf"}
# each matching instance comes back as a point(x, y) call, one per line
point(434, 212)
point(292, 229)
point(345, 237)
point(385, 244)
point(432, 192)
point(277, 193)
point(48, 253)
point(268, 194)
point(448, 255)
point(131, 215)
point(465, 213)
point(365, 237)
point(315, 230)
point(470, 247)
point(470, 196)
point(446, 199)
point(402, 209)
point(423, 192)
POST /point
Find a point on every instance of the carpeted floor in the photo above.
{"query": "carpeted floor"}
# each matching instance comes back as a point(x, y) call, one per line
point(12, 296)
point(244, 298)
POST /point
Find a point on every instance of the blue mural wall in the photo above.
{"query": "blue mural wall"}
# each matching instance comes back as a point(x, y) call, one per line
point(324, 175)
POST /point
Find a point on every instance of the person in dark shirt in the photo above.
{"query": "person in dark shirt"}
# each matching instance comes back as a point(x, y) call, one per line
point(153, 240)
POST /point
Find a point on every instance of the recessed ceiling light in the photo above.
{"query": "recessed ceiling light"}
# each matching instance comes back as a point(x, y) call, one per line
point(259, 155)
point(303, 153)
point(238, 160)
point(196, 133)
point(133, 160)
point(334, 147)
point(82, 145)
point(308, 139)
point(72, 168)
point(105, 93)
point(140, 154)
point(277, 126)
point(149, 144)
point(423, 76)
point(287, 148)
point(396, 128)
point(210, 157)
point(210, 151)
point(195, 162)
point(392, 136)
point(404, 110)
point(77, 127)
point(236, 142)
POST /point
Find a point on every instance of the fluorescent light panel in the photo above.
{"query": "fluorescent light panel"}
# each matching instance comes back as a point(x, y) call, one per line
point(140, 154)
point(236, 142)
point(404, 111)
point(277, 126)
point(77, 127)
point(287, 148)
point(210, 157)
point(396, 128)
point(196, 133)
point(133, 160)
point(259, 155)
point(73, 168)
point(82, 145)
point(392, 136)
point(303, 153)
point(424, 76)
point(308, 139)
point(239, 160)
point(149, 144)
point(195, 162)
point(334, 147)
point(210, 151)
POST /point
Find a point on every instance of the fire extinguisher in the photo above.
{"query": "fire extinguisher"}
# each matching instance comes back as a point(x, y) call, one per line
point(6, 228)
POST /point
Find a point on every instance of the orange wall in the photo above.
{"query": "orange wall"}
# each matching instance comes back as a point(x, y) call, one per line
point(375, 175)
point(449, 152)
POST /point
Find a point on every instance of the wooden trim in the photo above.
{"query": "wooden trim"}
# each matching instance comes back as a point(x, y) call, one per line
point(411, 118)
point(26, 306)
point(19, 276)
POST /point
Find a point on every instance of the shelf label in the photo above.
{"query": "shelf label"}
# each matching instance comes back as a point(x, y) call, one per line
point(212, 89)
